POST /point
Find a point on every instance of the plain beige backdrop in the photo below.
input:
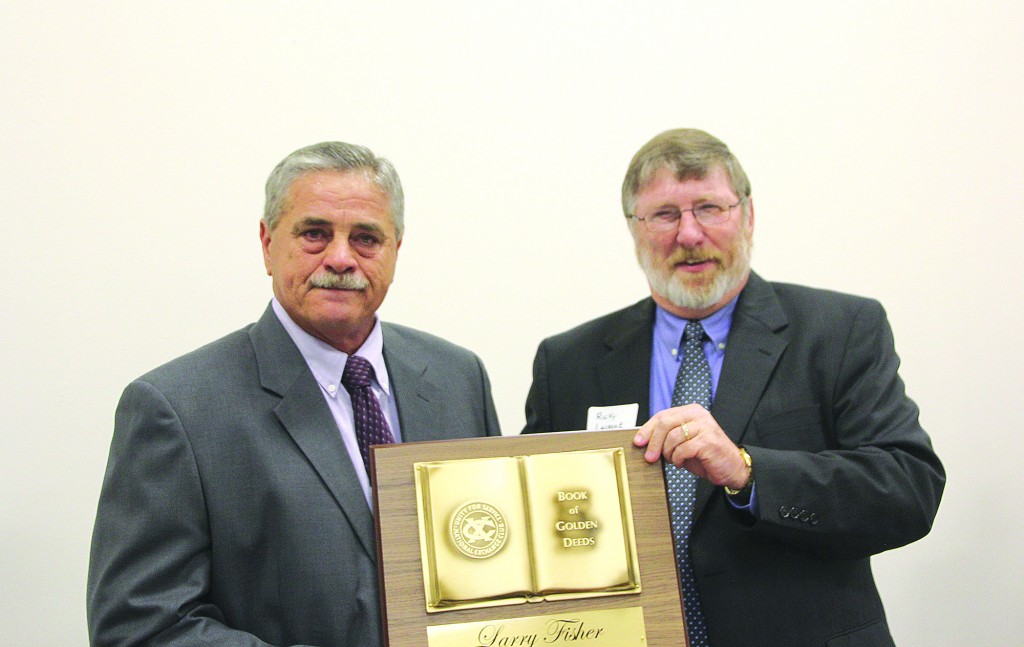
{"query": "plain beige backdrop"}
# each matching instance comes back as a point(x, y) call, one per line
point(883, 140)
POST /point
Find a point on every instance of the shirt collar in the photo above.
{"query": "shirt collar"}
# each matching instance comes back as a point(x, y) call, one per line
point(326, 362)
point(668, 328)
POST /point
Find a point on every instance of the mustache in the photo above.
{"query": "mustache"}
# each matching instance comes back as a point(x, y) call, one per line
point(339, 282)
point(684, 255)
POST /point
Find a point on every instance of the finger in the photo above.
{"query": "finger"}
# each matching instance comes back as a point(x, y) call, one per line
point(676, 436)
point(656, 432)
point(686, 432)
point(690, 458)
point(682, 456)
point(673, 439)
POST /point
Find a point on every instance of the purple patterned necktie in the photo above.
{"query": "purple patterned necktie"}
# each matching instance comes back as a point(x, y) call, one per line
point(693, 385)
point(371, 426)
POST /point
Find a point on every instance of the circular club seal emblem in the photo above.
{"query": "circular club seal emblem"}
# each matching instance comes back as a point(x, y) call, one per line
point(478, 530)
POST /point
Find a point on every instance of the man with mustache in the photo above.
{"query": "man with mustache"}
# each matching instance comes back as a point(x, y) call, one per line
point(236, 507)
point(792, 454)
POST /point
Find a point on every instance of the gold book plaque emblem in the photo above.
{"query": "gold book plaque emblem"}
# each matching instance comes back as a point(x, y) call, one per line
point(478, 530)
point(538, 527)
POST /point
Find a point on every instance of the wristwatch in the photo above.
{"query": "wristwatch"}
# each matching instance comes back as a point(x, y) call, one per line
point(750, 475)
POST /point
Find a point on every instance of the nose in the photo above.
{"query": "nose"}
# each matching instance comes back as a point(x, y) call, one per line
point(689, 233)
point(339, 256)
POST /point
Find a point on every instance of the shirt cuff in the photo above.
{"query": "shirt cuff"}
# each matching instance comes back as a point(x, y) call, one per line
point(750, 505)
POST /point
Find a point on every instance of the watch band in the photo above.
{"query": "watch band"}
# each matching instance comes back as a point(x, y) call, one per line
point(750, 475)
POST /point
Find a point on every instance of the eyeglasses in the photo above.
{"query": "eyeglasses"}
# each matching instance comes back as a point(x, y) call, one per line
point(706, 213)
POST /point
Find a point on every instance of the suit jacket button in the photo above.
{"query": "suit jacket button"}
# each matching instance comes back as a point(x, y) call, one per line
point(814, 518)
point(784, 512)
point(804, 515)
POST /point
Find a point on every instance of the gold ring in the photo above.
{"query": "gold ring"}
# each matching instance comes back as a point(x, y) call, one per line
point(686, 432)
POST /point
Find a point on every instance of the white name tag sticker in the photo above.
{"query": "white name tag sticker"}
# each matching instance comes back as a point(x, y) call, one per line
point(621, 416)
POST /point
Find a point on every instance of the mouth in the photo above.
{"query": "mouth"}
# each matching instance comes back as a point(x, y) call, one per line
point(689, 264)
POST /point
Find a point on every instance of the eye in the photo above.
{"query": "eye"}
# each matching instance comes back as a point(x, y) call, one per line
point(314, 235)
point(708, 210)
point(366, 239)
point(666, 215)
point(314, 239)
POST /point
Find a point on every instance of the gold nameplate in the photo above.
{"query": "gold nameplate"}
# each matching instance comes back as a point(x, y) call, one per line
point(485, 542)
point(509, 530)
point(614, 628)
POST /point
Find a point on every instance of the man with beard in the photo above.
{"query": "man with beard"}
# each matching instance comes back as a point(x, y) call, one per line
point(791, 451)
point(236, 507)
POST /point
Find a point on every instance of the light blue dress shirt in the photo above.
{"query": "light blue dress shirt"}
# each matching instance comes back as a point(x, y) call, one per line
point(327, 364)
point(667, 355)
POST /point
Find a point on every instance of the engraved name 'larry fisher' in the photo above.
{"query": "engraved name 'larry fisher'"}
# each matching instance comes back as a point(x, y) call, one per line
point(556, 631)
point(575, 526)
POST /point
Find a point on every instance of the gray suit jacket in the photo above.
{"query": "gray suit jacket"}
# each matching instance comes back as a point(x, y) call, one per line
point(230, 512)
point(810, 388)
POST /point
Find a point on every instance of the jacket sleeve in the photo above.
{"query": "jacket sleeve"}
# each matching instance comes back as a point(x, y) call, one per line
point(538, 412)
point(490, 414)
point(149, 570)
point(878, 484)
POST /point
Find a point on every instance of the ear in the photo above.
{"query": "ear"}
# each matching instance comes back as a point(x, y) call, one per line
point(750, 216)
point(265, 242)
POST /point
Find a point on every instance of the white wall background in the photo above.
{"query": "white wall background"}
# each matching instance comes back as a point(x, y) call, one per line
point(883, 140)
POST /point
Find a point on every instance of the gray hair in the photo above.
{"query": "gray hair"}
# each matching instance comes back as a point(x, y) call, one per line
point(334, 156)
point(689, 153)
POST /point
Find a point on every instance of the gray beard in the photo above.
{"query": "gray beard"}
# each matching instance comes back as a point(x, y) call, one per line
point(663, 281)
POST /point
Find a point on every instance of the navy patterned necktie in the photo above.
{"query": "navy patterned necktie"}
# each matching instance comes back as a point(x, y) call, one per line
point(371, 426)
point(693, 385)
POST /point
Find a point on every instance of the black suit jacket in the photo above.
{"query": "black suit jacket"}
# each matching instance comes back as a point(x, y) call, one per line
point(230, 512)
point(810, 388)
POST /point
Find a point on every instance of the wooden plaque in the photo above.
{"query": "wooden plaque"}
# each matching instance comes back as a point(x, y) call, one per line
point(644, 608)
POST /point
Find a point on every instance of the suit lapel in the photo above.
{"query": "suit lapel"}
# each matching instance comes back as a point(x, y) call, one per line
point(417, 397)
point(752, 351)
point(307, 419)
point(624, 373)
